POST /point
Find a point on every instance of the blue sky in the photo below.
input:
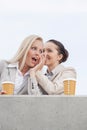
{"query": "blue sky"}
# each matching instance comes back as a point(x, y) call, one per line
point(64, 20)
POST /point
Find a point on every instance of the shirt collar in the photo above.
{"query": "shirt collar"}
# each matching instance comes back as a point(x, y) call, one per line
point(16, 65)
point(13, 65)
point(57, 69)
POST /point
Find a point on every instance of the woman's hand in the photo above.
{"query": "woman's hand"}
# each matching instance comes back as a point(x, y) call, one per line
point(41, 63)
point(3, 92)
point(39, 66)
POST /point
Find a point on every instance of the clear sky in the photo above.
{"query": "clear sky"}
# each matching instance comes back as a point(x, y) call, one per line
point(64, 20)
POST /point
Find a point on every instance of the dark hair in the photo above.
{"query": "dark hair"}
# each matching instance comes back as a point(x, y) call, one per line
point(61, 49)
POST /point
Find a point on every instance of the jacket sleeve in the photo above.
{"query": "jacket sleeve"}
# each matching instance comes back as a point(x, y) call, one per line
point(55, 86)
point(2, 64)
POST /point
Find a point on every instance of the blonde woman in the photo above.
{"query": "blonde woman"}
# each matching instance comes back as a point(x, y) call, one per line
point(17, 69)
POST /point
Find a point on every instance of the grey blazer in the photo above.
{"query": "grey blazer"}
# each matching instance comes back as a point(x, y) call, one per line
point(54, 85)
point(8, 74)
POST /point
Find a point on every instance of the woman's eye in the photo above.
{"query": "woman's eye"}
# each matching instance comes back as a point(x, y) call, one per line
point(33, 48)
point(41, 51)
point(49, 50)
point(36, 49)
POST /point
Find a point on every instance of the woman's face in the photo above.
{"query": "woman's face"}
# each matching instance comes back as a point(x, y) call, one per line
point(34, 54)
point(52, 56)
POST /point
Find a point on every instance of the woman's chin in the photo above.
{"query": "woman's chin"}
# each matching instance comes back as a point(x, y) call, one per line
point(46, 63)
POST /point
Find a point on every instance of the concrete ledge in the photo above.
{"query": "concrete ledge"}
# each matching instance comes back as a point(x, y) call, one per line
point(43, 113)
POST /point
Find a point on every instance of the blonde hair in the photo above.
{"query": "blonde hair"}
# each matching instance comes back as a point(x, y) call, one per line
point(23, 49)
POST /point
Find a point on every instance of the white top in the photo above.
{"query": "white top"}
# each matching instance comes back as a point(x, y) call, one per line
point(20, 80)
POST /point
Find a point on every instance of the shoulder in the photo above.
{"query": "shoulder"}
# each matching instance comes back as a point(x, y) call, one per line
point(69, 72)
point(3, 64)
point(70, 69)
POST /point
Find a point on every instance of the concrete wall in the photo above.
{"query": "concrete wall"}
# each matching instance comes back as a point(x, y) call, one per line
point(43, 113)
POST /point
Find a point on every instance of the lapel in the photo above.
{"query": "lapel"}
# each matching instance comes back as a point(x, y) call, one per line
point(9, 73)
point(12, 69)
point(12, 73)
point(57, 71)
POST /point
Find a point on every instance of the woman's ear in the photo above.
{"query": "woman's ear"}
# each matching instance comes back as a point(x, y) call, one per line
point(60, 56)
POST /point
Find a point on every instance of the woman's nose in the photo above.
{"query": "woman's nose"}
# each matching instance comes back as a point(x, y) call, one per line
point(38, 52)
point(45, 53)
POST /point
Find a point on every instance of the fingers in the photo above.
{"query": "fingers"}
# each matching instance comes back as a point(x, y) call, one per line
point(3, 92)
point(43, 58)
point(40, 63)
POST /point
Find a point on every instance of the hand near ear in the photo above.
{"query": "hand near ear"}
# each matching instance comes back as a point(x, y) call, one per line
point(39, 66)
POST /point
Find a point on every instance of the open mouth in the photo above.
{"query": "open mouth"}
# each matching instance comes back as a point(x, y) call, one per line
point(35, 59)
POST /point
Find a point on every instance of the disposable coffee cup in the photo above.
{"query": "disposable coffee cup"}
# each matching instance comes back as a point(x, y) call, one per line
point(69, 86)
point(8, 87)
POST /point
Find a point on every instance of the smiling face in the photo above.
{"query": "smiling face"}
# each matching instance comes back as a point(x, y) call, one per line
point(34, 54)
point(52, 56)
